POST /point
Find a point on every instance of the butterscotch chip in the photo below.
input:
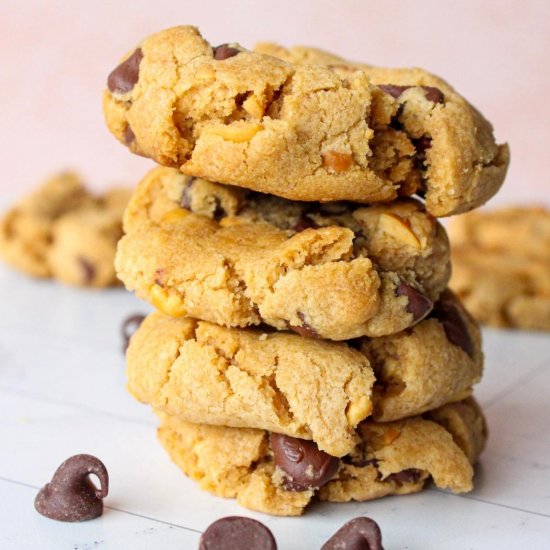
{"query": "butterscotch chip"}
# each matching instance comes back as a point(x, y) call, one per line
point(330, 129)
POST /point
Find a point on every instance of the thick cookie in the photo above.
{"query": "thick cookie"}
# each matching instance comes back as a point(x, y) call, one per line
point(301, 131)
point(461, 165)
point(238, 258)
point(280, 475)
point(64, 232)
point(501, 266)
point(306, 388)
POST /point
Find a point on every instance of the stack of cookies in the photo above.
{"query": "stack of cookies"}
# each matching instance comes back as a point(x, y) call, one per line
point(305, 345)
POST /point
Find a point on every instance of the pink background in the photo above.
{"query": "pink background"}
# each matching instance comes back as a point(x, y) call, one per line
point(55, 56)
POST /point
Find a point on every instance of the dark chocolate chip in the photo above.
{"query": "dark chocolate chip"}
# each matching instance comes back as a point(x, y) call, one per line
point(219, 211)
point(304, 329)
point(71, 495)
point(129, 136)
point(393, 89)
point(304, 223)
point(410, 475)
point(88, 270)
point(224, 51)
point(124, 77)
point(422, 143)
point(237, 533)
point(304, 464)
point(419, 304)
point(446, 311)
point(185, 199)
point(129, 326)
point(434, 94)
point(358, 534)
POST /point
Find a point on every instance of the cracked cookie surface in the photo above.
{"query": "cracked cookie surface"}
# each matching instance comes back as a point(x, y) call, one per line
point(390, 458)
point(301, 387)
point(298, 130)
point(501, 266)
point(461, 166)
point(63, 231)
point(240, 258)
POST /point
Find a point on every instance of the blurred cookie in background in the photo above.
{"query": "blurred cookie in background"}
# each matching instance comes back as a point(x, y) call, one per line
point(63, 231)
point(501, 266)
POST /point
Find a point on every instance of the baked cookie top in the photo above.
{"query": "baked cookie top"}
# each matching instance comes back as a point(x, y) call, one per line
point(63, 231)
point(302, 127)
point(501, 266)
point(239, 258)
point(298, 386)
point(264, 473)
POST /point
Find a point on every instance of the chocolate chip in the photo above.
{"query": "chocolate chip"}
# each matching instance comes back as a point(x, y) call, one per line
point(410, 475)
point(185, 199)
point(224, 51)
point(393, 89)
point(359, 462)
point(422, 143)
point(124, 77)
point(129, 326)
point(237, 533)
point(419, 304)
point(304, 329)
point(304, 464)
point(358, 534)
point(88, 270)
point(219, 211)
point(446, 311)
point(129, 136)
point(432, 94)
point(304, 223)
point(71, 495)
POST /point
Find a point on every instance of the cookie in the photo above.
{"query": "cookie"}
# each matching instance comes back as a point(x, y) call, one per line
point(63, 231)
point(301, 131)
point(461, 165)
point(281, 476)
point(237, 258)
point(501, 266)
point(302, 387)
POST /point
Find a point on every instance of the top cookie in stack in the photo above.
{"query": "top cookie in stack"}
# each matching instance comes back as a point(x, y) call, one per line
point(304, 125)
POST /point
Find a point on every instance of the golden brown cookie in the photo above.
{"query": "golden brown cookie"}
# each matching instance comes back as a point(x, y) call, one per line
point(501, 266)
point(239, 258)
point(63, 231)
point(299, 130)
point(302, 387)
point(280, 475)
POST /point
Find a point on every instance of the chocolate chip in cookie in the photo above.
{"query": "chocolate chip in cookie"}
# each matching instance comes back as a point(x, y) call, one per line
point(447, 313)
point(405, 476)
point(419, 304)
point(358, 534)
point(303, 463)
point(432, 93)
point(304, 329)
point(71, 495)
point(237, 533)
point(224, 51)
point(88, 270)
point(129, 326)
point(123, 79)
point(129, 136)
